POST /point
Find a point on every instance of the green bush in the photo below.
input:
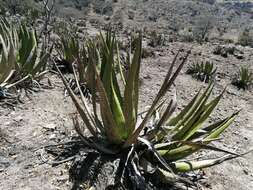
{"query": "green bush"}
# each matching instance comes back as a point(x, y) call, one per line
point(203, 71)
point(243, 79)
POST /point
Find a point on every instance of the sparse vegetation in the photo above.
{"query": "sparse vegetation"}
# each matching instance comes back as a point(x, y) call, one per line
point(25, 7)
point(156, 39)
point(186, 35)
point(21, 60)
point(117, 131)
point(202, 28)
point(69, 51)
point(246, 38)
point(204, 71)
point(243, 79)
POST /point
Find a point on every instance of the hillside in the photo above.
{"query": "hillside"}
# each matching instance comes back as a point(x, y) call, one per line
point(228, 18)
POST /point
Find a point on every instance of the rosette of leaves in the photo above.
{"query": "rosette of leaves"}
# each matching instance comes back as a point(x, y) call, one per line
point(20, 58)
point(243, 79)
point(157, 144)
point(203, 71)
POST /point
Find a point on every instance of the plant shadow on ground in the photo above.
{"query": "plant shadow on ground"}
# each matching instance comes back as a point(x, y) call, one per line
point(89, 168)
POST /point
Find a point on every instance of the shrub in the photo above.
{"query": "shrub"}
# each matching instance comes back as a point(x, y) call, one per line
point(20, 54)
point(246, 38)
point(243, 79)
point(186, 35)
point(156, 39)
point(203, 71)
point(22, 7)
point(202, 28)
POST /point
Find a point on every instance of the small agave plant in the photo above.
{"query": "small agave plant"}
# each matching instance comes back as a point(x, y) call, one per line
point(6, 67)
point(71, 51)
point(243, 79)
point(31, 60)
point(20, 58)
point(157, 144)
point(203, 71)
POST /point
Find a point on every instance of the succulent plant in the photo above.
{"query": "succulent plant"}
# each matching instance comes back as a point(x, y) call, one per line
point(115, 126)
point(243, 79)
point(203, 71)
point(20, 58)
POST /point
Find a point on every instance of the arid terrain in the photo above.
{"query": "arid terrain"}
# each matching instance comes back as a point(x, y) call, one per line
point(44, 117)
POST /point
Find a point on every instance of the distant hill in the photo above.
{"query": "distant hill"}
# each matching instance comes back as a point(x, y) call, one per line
point(167, 14)
point(227, 16)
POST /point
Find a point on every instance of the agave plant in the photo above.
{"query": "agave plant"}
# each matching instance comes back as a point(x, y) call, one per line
point(31, 61)
point(156, 39)
point(243, 79)
point(158, 141)
point(20, 54)
point(203, 71)
point(6, 64)
point(71, 51)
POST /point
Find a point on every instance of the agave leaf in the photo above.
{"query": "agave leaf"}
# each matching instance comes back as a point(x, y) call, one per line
point(215, 133)
point(120, 66)
point(131, 90)
point(179, 153)
point(27, 66)
point(90, 78)
point(168, 112)
point(4, 79)
point(159, 132)
point(41, 64)
point(203, 145)
point(191, 108)
point(110, 84)
point(193, 115)
point(208, 109)
point(171, 152)
point(88, 111)
point(12, 55)
point(172, 178)
point(80, 108)
point(166, 85)
point(7, 61)
point(156, 154)
point(174, 121)
point(27, 44)
point(187, 166)
point(4, 48)
point(84, 139)
point(208, 129)
point(113, 133)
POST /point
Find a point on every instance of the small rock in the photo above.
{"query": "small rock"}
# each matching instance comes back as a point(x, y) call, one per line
point(246, 171)
point(50, 126)
point(239, 56)
point(52, 137)
point(18, 119)
point(147, 77)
